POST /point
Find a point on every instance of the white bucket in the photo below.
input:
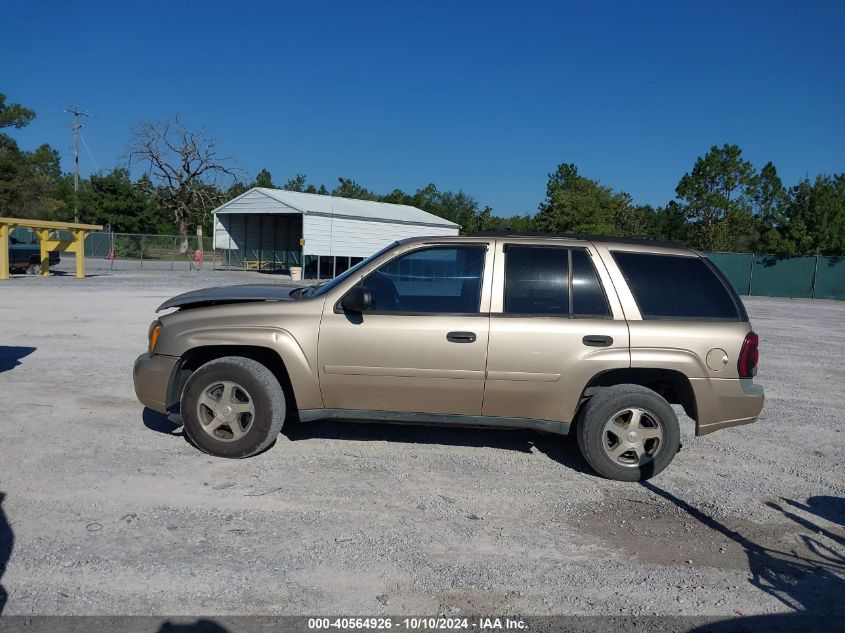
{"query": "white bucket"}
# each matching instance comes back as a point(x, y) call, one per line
point(296, 273)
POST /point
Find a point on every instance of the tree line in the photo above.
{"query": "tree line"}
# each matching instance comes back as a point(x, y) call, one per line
point(723, 203)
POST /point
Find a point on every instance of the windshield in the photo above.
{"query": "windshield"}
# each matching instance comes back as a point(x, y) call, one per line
point(320, 290)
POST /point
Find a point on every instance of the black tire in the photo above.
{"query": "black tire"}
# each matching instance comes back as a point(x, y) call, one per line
point(604, 405)
point(262, 389)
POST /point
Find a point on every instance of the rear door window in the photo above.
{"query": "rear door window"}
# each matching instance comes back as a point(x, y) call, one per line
point(552, 281)
point(674, 286)
point(536, 280)
point(588, 298)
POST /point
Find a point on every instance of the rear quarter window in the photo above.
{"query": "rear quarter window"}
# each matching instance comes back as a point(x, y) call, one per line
point(674, 286)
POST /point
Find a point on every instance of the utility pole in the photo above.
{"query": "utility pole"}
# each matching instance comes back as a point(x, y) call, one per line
point(76, 125)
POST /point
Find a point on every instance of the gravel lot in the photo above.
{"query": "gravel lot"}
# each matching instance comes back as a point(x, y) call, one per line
point(108, 510)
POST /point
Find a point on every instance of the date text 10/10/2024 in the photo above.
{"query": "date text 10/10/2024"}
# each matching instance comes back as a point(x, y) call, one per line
point(416, 624)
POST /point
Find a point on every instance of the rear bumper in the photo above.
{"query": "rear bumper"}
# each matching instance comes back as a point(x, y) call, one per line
point(725, 402)
point(151, 375)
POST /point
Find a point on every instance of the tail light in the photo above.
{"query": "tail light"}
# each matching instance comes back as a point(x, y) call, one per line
point(748, 356)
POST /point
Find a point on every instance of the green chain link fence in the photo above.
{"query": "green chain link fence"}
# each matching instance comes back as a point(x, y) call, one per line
point(776, 276)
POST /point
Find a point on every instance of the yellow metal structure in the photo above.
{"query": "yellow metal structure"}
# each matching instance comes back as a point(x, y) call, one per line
point(46, 232)
point(254, 264)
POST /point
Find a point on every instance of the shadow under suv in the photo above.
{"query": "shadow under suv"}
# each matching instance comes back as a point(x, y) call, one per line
point(598, 336)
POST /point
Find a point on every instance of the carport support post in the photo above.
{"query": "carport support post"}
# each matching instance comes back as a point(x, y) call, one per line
point(43, 239)
point(79, 249)
point(4, 250)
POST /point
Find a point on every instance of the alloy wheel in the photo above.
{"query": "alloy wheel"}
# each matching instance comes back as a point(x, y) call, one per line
point(225, 411)
point(632, 437)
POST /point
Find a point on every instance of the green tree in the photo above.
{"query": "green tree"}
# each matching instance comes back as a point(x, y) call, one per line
point(348, 188)
point(458, 207)
point(116, 200)
point(770, 196)
point(297, 183)
point(236, 189)
point(430, 199)
point(264, 179)
point(815, 216)
point(462, 209)
point(771, 201)
point(14, 114)
point(483, 220)
point(397, 196)
point(669, 222)
point(718, 196)
point(513, 224)
point(30, 182)
point(575, 204)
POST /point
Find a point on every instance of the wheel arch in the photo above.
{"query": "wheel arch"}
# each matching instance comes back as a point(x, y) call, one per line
point(671, 384)
point(196, 357)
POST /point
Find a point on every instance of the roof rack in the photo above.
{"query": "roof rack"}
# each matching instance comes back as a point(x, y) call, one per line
point(645, 240)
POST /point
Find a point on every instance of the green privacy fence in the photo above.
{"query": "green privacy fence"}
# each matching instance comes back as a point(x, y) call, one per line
point(830, 278)
point(775, 276)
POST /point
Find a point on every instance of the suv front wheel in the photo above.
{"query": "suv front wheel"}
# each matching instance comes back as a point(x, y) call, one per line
point(628, 433)
point(233, 407)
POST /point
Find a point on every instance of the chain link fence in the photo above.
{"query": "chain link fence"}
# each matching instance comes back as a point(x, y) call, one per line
point(128, 251)
point(752, 274)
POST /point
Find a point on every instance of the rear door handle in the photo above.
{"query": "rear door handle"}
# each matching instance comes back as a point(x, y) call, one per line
point(594, 340)
point(461, 337)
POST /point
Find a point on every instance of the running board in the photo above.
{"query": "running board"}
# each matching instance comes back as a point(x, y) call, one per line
point(438, 419)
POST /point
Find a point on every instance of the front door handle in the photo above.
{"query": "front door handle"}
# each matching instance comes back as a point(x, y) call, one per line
point(594, 340)
point(461, 337)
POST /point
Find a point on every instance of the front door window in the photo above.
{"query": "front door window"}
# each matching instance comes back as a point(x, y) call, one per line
point(438, 280)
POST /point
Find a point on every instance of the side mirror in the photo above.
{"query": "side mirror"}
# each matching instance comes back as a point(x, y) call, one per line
point(358, 299)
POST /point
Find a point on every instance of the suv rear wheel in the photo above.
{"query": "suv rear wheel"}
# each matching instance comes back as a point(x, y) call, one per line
point(628, 433)
point(233, 407)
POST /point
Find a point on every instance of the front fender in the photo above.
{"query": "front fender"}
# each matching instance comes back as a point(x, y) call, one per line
point(290, 329)
point(302, 373)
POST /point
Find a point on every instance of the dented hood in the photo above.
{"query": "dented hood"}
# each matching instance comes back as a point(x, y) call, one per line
point(229, 294)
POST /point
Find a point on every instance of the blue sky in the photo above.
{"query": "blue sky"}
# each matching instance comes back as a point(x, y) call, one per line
point(484, 96)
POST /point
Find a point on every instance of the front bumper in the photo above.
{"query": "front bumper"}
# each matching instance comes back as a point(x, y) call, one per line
point(151, 375)
point(725, 402)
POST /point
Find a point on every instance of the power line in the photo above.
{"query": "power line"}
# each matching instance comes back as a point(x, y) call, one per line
point(76, 126)
point(88, 150)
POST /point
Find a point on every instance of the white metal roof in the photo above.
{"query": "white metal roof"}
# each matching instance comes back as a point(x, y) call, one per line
point(263, 200)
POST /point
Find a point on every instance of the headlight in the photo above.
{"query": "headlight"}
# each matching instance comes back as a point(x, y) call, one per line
point(155, 328)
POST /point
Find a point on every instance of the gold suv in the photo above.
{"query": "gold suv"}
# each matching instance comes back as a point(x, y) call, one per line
point(595, 335)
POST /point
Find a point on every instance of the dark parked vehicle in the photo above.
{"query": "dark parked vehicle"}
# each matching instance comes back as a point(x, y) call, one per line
point(26, 257)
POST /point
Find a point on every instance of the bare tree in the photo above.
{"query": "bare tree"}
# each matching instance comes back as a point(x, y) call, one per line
point(183, 169)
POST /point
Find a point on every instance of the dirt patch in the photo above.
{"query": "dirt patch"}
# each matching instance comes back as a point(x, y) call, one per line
point(657, 531)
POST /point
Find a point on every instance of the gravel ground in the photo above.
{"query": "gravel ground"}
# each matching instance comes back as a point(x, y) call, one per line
point(108, 509)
